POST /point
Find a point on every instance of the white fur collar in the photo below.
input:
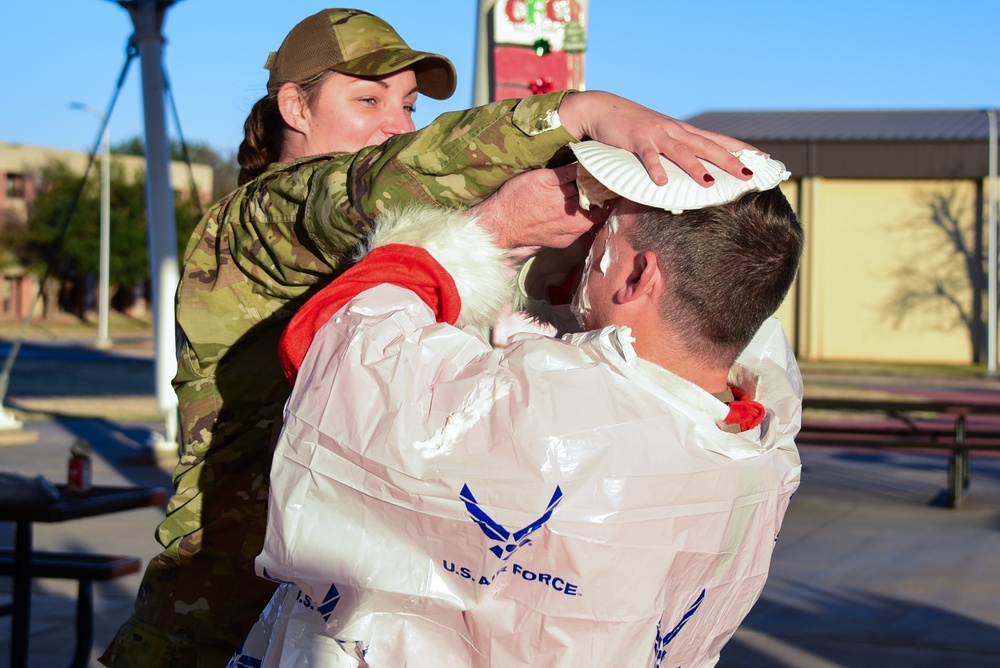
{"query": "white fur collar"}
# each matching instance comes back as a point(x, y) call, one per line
point(464, 249)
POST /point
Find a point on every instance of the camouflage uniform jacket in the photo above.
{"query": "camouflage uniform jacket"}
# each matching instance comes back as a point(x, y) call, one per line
point(257, 255)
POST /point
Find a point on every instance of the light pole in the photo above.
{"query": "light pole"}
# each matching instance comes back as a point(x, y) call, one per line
point(103, 288)
point(147, 17)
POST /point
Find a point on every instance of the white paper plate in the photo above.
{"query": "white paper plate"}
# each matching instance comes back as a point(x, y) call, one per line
point(621, 172)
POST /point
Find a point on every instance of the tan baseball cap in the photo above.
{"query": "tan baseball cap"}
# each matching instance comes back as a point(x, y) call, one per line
point(358, 43)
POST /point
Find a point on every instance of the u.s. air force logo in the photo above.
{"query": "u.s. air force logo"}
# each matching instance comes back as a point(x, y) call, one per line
point(324, 607)
point(663, 640)
point(507, 541)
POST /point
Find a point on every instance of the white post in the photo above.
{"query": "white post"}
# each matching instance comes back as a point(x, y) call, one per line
point(104, 288)
point(147, 17)
point(105, 243)
point(482, 87)
point(991, 334)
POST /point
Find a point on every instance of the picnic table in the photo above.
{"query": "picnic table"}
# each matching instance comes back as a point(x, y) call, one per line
point(941, 424)
point(24, 563)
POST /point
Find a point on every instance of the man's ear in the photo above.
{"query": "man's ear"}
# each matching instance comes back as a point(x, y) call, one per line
point(645, 278)
point(292, 105)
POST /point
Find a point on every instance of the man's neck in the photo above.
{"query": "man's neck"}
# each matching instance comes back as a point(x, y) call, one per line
point(661, 349)
point(713, 381)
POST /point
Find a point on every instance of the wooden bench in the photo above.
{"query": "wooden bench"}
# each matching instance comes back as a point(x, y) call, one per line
point(86, 569)
point(949, 429)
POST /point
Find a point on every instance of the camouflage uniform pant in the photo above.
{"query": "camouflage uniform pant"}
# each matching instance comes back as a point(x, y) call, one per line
point(200, 595)
point(139, 645)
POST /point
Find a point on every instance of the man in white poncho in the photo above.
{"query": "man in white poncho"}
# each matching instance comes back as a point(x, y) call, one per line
point(610, 498)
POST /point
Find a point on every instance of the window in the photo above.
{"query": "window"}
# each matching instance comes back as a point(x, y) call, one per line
point(15, 186)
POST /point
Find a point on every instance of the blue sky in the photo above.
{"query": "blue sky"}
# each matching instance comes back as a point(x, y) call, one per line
point(680, 58)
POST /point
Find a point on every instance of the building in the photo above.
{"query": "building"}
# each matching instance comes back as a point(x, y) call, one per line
point(895, 207)
point(20, 168)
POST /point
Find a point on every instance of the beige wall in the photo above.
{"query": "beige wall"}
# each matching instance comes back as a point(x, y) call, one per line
point(19, 158)
point(860, 235)
point(786, 312)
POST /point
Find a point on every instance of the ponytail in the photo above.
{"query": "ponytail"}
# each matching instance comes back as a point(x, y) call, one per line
point(264, 130)
point(263, 134)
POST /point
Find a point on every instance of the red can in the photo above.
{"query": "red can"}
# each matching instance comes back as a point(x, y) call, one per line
point(78, 477)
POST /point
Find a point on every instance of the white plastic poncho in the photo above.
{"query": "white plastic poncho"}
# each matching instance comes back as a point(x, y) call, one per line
point(437, 502)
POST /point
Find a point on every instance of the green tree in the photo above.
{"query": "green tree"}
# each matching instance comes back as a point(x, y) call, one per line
point(12, 231)
point(66, 238)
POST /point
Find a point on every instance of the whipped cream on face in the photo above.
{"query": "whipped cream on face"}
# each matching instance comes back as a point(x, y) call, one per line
point(581, 300)
point(609, 255)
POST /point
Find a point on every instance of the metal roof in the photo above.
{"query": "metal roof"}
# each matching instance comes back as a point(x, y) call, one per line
point(758, 126)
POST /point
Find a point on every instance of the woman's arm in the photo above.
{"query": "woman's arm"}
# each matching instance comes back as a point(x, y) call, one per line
point(462, 158)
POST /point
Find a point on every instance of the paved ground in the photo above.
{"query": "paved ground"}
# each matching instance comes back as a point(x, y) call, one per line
point(116, 444)
point(869, 570)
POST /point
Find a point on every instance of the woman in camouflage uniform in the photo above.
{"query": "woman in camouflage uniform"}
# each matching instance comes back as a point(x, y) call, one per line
point(342, 82)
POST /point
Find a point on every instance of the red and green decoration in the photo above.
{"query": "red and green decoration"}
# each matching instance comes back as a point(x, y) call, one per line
point(537, 46)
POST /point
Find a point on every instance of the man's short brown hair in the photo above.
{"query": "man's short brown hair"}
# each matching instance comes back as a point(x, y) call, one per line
point(729, 267)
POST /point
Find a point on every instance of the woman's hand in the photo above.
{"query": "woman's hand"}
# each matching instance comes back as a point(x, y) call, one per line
point(648, 134)
point(537, 208)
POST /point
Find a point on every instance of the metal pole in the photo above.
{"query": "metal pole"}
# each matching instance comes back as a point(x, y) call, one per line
point(991, 336)
point(103, 290)
point(482, 86)
point(147, 17)
point(105, 242)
